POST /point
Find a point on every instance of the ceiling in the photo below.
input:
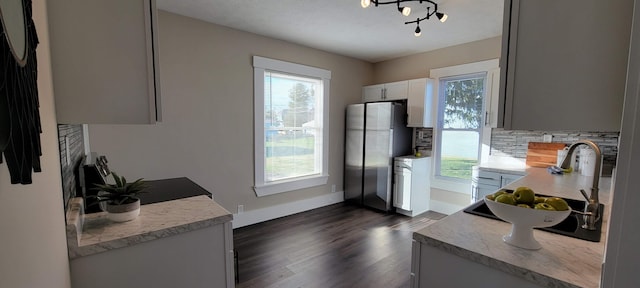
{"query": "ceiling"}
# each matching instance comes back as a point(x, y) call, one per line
point(343, 27)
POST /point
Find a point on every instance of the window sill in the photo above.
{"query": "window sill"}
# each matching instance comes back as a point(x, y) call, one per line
point(291, 185)
point(460, 186)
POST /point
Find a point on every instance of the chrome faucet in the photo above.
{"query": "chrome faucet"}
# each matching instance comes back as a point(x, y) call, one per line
point(591, 212)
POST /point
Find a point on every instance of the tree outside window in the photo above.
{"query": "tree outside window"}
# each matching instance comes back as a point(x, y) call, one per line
point(460, 123)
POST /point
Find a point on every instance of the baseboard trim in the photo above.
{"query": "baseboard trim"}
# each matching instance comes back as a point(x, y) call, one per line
point(444, 207)
point(269, 213)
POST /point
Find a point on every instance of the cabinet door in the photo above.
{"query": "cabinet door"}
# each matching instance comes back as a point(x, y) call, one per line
point(484, 190)
point(402, 188)
point(396, 90)
point(489, 178)
point(372, 93)
point(566, 72)
point(492, 99)
point(104, 64)
point(509, 178)
point(419, 103)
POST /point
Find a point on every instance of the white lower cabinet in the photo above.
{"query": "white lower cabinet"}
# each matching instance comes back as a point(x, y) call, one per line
point(485, 182)
point(196, 259)
point(411, 188)
point(432, 267)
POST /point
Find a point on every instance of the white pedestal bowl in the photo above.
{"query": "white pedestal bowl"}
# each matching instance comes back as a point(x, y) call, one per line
point(523, 220)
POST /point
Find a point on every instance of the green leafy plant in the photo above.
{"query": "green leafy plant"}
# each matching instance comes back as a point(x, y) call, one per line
point(121, 192)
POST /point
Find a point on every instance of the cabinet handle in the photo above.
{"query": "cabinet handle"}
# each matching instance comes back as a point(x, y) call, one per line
point(384, 93)
point(486, 118)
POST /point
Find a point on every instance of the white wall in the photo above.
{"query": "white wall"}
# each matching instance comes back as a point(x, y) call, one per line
point(207, 97)
point(33, 249)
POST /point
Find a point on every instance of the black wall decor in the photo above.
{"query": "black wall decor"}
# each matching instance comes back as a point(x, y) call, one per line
point(19, 108)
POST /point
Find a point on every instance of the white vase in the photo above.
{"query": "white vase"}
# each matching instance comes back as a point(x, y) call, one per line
point(123, 212)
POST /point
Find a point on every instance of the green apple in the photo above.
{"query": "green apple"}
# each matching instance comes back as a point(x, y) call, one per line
point(506, 198)
point(557, 203)
point(539, 199)
point(524, 195)
point(544, 206)
point(495, 195)
point(523, 205)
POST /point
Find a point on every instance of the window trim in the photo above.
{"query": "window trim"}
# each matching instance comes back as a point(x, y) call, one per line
point(489, 66)
point(260, 65)
point(440, 125)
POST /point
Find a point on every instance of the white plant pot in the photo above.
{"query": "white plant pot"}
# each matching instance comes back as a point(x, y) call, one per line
point(124, 212)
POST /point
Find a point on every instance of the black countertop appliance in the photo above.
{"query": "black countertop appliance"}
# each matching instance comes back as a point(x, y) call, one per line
point(95, 170)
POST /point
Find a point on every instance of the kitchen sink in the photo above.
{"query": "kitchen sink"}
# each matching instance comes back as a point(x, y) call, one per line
point(569, 227)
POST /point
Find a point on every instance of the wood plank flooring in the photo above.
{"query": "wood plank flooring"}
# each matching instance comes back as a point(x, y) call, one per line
point(340, 245)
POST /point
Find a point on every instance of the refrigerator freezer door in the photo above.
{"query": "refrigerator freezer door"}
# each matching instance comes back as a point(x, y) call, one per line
point(378, 156)
point(354, 153)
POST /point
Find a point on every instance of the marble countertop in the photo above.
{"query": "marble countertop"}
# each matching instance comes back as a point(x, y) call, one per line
point(562, 262)
point(93, 233)
point(504, 168)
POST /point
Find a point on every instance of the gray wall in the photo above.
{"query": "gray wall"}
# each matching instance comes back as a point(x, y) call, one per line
point(33, 250)
point(207, 97)
point(419, 65)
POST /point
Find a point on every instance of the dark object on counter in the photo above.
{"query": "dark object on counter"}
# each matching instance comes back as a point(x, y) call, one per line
point(555, 170)
point(171, 189)
point(569, 227)
point(94, 170)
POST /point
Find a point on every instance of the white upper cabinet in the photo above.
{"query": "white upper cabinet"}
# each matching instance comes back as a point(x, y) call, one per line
point(104, 58)
point(420, 103)
point(563, 64)
point(385, 92)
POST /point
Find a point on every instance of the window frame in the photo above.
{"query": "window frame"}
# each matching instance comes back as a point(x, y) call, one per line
point(440, 121)
point(261, 186)
point(491, 67)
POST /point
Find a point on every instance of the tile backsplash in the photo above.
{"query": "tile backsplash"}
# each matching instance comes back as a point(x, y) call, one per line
point(424, 139)
point(71, 142)
point(514, 143)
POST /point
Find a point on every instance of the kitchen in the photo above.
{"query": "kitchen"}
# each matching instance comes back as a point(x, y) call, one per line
point(185, 75)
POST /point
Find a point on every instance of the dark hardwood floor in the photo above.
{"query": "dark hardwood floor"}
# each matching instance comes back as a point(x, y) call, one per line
point(335, 246)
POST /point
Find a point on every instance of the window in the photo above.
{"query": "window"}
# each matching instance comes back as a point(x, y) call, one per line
point(291, 126)
point(460, 115)
point(467, 105)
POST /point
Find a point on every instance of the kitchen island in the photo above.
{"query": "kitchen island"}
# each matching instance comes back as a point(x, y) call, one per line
point(464, 250)
point(186, 242)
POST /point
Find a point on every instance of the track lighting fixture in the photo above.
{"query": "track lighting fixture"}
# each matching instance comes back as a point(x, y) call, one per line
point(432, 9)
point(441, 16)
point(406, 10)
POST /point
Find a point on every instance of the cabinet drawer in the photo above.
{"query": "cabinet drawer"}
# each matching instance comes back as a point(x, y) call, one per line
point(489, 178)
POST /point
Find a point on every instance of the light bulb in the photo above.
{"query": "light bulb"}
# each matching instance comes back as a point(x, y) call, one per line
point(443, 17)
point(418, 32)
point(406, 11)
point(365, 3)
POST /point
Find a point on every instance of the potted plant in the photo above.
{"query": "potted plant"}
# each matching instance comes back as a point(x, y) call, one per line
point(120, 200)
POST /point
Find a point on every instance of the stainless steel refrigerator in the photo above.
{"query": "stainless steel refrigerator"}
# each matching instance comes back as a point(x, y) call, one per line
point(375, 133)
